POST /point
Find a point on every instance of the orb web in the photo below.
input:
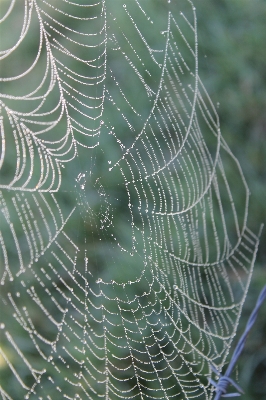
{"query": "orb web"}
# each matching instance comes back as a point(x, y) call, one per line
point(124, 259)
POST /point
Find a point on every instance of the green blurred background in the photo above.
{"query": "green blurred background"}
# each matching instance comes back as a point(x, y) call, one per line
point(232, 35)
point(232, 66)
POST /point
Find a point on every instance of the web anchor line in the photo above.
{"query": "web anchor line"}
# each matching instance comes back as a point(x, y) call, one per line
point(224, 380)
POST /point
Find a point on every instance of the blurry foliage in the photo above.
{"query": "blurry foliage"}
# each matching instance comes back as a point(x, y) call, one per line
point(232, 66)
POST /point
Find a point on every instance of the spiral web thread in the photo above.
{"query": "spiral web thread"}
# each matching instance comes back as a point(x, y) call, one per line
point(124, 259)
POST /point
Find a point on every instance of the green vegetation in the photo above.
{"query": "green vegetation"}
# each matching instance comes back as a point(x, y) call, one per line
point(232, 66)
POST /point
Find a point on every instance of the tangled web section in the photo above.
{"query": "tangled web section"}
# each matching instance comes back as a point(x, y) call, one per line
point(124, 259)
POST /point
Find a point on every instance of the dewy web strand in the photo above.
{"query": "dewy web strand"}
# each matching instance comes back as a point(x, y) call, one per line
point(124, 260)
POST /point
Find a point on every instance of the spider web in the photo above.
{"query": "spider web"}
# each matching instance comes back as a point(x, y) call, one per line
point(124, 259)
